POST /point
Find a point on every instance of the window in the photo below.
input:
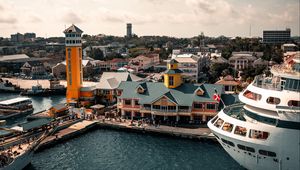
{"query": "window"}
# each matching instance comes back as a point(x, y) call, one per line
point(211, 106)
point(214, 119)
point(256, 134)
point(227, 142)
point(171, 107)
point(227, 127)
point(240, 131)
point(273, 100)
point(127, 102)
point(156, 106)
point(246, 148)
point(251, 95)
point(294, 103)
point(292, 84)
point(198, 106)
point(171, 80)
point(219, 123)
point(267, 153)
point(136, 102)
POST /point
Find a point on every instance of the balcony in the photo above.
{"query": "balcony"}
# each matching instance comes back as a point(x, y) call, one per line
point(236, 111)
point(271, 83)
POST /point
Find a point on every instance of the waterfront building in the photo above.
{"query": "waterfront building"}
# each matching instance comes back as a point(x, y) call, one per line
point(276, 36)
point(75, 89)
point(171, 100)
point(106, 89)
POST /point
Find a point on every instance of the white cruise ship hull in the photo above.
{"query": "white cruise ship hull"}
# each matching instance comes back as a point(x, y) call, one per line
point(284, 142)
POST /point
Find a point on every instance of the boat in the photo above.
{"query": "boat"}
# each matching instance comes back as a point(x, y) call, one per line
point(18, 152)
point(6, 86)
point(15, 107)
point(263, 131)
point(36, 90)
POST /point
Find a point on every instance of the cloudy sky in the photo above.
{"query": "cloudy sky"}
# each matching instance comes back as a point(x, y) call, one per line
point(180, 18)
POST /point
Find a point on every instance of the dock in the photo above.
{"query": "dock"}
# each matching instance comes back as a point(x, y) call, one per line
point(195, 133)
point(67, 133)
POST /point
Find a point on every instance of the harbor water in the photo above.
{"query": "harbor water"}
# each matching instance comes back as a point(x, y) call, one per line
point(108, 149)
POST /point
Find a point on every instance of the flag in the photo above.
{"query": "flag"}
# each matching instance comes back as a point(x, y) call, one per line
point(217, 96)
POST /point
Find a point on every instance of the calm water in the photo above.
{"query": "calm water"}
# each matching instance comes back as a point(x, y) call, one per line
point(107, 149)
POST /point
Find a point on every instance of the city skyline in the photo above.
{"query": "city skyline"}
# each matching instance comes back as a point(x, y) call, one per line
point(175, 18)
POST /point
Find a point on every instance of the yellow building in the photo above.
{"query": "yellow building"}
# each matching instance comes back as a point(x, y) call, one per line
point(73, 63)
point(172, 77)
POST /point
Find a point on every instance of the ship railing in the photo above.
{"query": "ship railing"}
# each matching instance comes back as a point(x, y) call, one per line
point(271, 83)
point(236, 111)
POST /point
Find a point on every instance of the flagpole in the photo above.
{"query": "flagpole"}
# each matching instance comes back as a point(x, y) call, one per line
point(216, 92)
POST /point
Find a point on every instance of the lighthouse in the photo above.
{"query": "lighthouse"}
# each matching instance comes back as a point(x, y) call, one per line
point(73, 62)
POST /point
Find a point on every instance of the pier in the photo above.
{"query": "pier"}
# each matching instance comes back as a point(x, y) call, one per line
point(83, 126)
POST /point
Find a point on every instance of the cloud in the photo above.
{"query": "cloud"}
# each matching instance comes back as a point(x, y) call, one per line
point(34, 19)
point(72, 17)
point(1, 8)
point(9, 20)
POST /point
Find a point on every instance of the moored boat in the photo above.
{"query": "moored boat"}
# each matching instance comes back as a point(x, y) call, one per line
point(15, 107)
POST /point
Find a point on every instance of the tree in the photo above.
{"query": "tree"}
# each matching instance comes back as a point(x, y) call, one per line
point(96, 54)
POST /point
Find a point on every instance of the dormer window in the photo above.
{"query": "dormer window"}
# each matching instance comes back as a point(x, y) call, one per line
point(140, 90)
point(199, 92)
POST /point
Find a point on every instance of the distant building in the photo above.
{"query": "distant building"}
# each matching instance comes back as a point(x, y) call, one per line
point(229, 83)
point(276, 36)
point(216, 58)
point(143, 62)
point(288, 47)
point(189, 65)
point(241, 60)
point(59, 70)
point(17, 37)
point(35, 69)
point(29, 36)
point(129, 30)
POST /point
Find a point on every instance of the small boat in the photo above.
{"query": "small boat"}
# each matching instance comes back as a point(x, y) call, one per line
point(36, 90)
point(6, 86)
point(15, 107)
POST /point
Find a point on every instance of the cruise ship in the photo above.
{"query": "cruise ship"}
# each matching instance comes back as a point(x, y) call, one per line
point(263, 131)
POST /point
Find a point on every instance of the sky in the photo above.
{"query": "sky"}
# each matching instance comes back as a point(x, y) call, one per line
point(178, 18)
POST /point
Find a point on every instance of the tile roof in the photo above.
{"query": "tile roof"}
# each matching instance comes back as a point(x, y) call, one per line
point(173, 71)
point(183, 95)
point(73, 29)
point(111, 80)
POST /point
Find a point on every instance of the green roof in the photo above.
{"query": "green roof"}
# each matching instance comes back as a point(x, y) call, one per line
point(35, 123)
point(173, 71)
point(183, 95)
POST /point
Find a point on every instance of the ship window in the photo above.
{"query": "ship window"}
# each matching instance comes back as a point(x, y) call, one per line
point(292, 84)
point(227, 142)
point(251, 95)
point(239, 130)
point(256, 134)
point(227, 127)
point(214, 119)
point(246, 148)
point(273, 100)
point(267, 153)
point(294, 103)
point(219, 123)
